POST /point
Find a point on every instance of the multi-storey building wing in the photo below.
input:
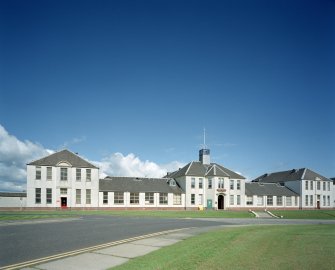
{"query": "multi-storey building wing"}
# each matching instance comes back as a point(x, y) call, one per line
point(210, 185)
point(315, 190)
point(62, 179)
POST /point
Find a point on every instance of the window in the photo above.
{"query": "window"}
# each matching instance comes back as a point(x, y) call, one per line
point(63, 191)
point(231, 199)
point(249, 200)
point(296, 200)
point(88, 175)
point(163, 198)
point(288, 201)
point(192, 198)
point(149, 198)
point(134, 198)
point(238, 199)
point(210, 183)
point(37, 195)
point(306, 200)
point(328, 186)
point(172, 183)
point(318, 185)
point(269, 200)
point(279, 200)
point(200, 199)
point(118, 198)
point(238, 184)
point(231, 184)
point(88, 196)
point(78, 196)
point(200, 183)
point(324, 186)
point(38, 173)
point(49, 195)
point(311, 185)
point(63, 174)
point(328, 200)
point(260, 200)
point(324, 200)
point(105, 197)
point(221, 183)
point(78, 174)
point(49, 173)
point(311, 200)
point(306, 185)
point(192, 182)
point(176, 199)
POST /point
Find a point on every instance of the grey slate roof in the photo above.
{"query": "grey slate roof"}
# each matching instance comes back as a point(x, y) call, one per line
point(262, 189)
point(291, 175)
point(13, 194)
point(64, 155)
point(196, 168)
point(138, 184)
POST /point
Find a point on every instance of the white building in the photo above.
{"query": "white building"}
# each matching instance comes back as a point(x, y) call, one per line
point(315, 191)
point(62, 179)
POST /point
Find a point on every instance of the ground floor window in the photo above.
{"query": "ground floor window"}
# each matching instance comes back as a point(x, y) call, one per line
point(249, 200)
point(279, 200)
point(88, 196)
point(163, 198)
point(118, 198)
point(269, 200)
point(288, 201)
point(105, 197)
point(200, 199)
point(311, 201)
point(238, 199)
point(306, 200)
point(177, 199)
point(328, 200)
point(324, 200)
point(49, 195)
point(260, 200)
point(296, 201)
point(231, 199)
point(37, 195)
point(134, 198)
point(149, 198)
point(78, 196)
point(192, 198)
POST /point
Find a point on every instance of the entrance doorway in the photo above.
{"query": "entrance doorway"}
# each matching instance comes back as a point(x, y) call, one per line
point(318, 204)
point(63, 202)
point(221, 202)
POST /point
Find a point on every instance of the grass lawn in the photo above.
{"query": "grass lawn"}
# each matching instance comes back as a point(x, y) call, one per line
point(306, 214)
point(252, 247)
point(136, 213)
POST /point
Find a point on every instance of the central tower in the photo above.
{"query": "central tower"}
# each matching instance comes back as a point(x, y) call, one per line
point(204, 153)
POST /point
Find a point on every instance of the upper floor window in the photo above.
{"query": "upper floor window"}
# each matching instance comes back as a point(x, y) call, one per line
point(306, 185)
point(210, 183)
point(324, 186)
point(200, 183)
point(88, 174)
point(192, 182)
point(63, 191)
point(231, 184)
point(172, 183)
point(49, 173)
point(221, 183)
point(238, 184)
point(63, 174)
point(78, 174)
point(38, 173)
point(311, 185)
point(318, 185)
point(328, 186)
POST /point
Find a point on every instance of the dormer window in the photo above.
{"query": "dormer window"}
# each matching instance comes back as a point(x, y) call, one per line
point(172, 183)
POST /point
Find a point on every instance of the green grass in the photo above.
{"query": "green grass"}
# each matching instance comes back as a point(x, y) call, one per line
point(252, 247)
point(305, 214)
point(130, 213)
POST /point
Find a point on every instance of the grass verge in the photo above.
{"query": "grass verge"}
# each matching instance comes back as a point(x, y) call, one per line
point(305, 214)
point(252, 247)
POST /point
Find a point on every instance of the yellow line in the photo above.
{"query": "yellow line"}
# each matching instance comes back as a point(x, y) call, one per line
point(83, 250)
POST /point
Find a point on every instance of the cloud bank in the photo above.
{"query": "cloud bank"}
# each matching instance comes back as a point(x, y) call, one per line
point(15, 154)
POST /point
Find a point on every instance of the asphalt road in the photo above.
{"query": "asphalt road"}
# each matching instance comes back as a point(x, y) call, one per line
point(23, 241)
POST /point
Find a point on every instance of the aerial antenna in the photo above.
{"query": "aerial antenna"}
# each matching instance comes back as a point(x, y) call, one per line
point(205, 146)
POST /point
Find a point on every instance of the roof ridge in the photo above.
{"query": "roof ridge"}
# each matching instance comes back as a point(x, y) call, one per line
point(190, 164)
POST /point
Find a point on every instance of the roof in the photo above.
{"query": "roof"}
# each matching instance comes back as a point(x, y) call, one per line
point(13, 194)
point(196, 168)
point(291, 175)
point(63, 156)
point(262, 189)
point(138, 184)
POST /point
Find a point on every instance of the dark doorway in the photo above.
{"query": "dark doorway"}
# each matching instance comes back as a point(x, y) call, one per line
point(63, 202)
point(318, 204)
point(220, 202)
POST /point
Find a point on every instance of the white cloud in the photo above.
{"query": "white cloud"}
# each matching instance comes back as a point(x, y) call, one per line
point(117, 164)
point(15, 154)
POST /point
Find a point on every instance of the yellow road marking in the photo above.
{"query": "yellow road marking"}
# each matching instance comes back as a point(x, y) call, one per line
point(83, 250)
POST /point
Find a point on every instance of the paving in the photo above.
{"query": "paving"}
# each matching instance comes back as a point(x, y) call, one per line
point(109, 257)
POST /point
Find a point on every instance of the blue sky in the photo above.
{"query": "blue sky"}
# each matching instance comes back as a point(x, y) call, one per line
point(145, 77)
